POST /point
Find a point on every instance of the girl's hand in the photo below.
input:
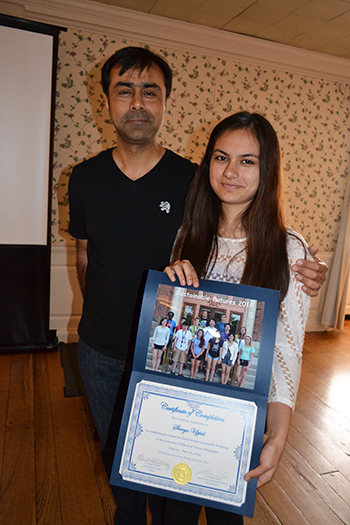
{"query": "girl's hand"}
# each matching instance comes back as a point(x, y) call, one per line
point(269, 459)
point(184, 271)
point(277, 426)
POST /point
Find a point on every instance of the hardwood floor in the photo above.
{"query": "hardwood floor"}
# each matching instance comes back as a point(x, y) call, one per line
point(51, 472)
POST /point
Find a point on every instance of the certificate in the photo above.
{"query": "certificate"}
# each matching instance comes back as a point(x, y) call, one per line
point(191, 436)
point(189, 442)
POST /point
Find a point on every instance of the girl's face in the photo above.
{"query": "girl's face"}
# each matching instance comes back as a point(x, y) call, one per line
point(164, 321)
point(234, 169)
point(230, 338)
point(247, 340)
point(200, 334)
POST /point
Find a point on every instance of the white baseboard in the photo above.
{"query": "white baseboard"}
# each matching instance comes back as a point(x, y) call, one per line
point(65, 298)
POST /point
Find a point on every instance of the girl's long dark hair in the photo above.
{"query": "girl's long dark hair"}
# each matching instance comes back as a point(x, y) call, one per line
point(263, 220)
point(202, 341)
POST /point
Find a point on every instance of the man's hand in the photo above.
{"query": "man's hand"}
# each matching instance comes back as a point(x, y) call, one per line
point(311, 273)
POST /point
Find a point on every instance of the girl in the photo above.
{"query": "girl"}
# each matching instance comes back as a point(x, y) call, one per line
point(246, 354)
point(159, 341)
point(235, 198)
point(240, 336)
point(197, 349)
point(213, 357)
point(229, 356)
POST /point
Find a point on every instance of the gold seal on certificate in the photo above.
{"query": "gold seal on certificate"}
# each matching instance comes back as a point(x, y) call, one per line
point(182, 473)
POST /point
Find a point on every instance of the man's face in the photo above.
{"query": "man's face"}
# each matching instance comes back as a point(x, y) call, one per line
point(136, 103)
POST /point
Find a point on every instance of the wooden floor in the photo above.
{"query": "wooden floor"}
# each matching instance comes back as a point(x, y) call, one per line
point(51, 472)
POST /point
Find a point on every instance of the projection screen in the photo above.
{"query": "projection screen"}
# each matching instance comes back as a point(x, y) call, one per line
point(25, 109)
point(28, 66)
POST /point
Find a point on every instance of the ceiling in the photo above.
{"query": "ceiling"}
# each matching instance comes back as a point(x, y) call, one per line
point(317, 25)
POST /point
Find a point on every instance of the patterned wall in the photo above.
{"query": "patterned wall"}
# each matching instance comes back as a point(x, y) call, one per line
point(311, 117)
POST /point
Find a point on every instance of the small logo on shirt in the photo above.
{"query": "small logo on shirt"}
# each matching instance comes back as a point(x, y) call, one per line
point(165, 206)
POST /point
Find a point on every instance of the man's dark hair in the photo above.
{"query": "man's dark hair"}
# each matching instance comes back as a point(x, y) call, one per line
point(138, 58)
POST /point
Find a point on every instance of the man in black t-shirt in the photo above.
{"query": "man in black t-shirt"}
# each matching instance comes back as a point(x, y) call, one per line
point(126, 205)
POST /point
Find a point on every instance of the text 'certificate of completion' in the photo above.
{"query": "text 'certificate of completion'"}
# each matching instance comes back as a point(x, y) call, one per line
point(188, 441)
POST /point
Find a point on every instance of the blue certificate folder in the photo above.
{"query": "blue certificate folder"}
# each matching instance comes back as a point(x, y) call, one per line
point(192, 439)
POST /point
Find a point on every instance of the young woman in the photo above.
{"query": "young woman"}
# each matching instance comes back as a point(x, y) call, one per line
point(197, 350)
point(159, 341)
point(228, 357)
point(240, 336)
point(246, 354)
point(213, 356)
point(235, 198)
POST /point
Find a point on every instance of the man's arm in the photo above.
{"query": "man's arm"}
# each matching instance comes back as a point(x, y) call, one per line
point(312, 274)
point(81, 262)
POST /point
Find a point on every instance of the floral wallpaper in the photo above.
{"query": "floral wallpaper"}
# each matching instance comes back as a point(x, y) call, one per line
point(311, 117)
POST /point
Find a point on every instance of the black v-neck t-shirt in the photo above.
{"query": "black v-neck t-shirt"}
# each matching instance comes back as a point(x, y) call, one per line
point(130, 227)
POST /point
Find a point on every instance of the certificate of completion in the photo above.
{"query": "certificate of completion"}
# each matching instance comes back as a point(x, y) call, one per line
point(184, 436)
point(189, 441)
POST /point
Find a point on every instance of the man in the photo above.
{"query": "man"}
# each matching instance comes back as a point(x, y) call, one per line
point(182, 342)
point(126, 205)
point(204, 320)
point(220, 325)
point(195, 327)
point(171, 324)
point(179, 326)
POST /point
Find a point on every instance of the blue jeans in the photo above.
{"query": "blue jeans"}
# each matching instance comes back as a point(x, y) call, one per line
point(101, 376)
point(103, 379)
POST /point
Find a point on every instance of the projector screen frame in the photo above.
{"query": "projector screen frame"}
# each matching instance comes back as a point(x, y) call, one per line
point(25, 268)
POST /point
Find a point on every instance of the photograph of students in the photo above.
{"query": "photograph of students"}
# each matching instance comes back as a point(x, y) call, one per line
point(182, 341)
point(197, 350)
point(236, 198)
point(229, 355)
point(213, 356)
point(160, 340)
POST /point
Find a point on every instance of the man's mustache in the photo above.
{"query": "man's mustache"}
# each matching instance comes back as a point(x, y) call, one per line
point(137, 115)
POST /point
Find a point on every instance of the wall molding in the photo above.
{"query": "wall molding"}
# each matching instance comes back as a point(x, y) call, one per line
point(159, 31)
